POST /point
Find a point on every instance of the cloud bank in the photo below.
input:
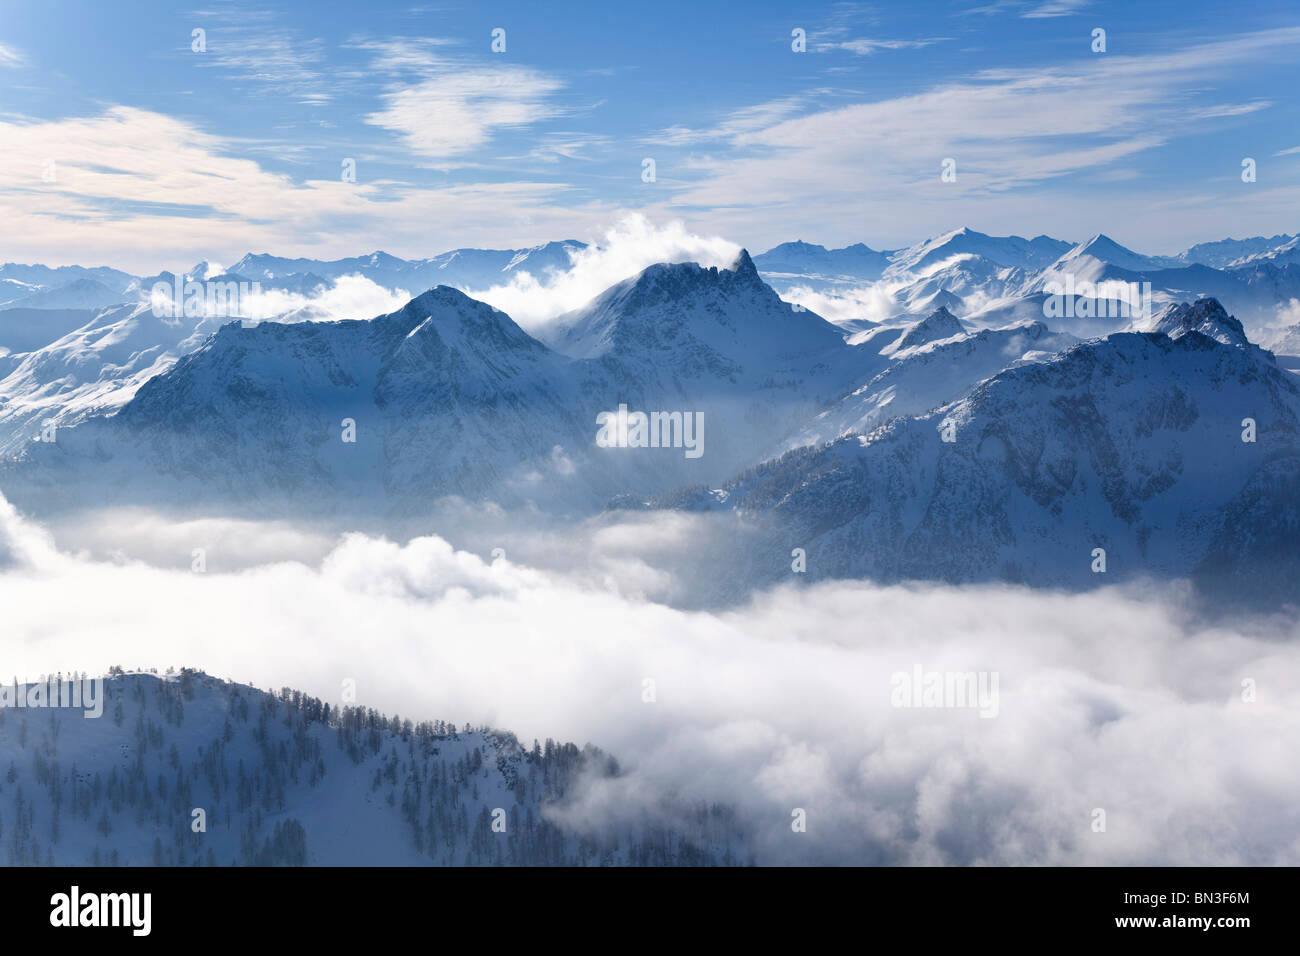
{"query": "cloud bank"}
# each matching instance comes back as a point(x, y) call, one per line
point(1112, 700)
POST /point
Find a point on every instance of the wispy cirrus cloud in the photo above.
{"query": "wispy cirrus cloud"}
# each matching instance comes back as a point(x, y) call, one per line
point(865, 46)
point(844, 29)
point(444, 107)
point(268, 59)
point(1029, 10)
point(11, 57)
point(1232, 109)
point(1007, 130)
point(745, 120)
point(1055, 8)
point(154, 174)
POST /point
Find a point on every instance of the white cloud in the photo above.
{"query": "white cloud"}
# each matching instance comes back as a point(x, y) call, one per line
point(444, 107)
point(155, 175)
point(872, 169)
point(269, 60)
point(1232, 109)
point(1114, 700)
point(865, 46)
point(11, 57)
point(448, 115)
point(348, 297)
point(873, 301)
point(631, 245)
point(1056, 8)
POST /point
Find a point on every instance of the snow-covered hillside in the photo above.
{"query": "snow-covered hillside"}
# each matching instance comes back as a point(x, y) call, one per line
point(1179, 455)
point(933, 362)
point(93, 370)
point(184, 769)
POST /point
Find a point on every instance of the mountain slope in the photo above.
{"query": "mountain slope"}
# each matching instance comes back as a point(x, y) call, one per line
point(1004, 250)
point(290, 780)
point(855, 263)
point(1132, 444)
point(1225, 253)
point(1102, 248)
point(445, 396)
point(46, 277)
point(929, 372)
point(92, 370)
point(717, 342)
point(78, 294)
point(449, 397)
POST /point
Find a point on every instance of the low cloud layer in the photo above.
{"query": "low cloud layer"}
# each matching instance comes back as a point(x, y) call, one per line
point(347, 297)
point(1112, 700)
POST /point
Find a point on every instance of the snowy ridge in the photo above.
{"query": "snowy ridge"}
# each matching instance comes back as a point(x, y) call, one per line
point(289, 780)
point(92, 370)
point(1133, 444)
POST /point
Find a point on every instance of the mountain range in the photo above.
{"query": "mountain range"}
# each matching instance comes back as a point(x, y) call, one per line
point(997, 444)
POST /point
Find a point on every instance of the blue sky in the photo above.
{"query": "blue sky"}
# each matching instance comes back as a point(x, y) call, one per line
point(124, 146)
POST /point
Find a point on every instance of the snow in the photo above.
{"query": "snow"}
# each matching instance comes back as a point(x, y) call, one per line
point(361, 789)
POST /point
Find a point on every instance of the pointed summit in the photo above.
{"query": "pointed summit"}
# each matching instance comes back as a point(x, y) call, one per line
point(1106, 250)
point(939, 324)
point(1004, 250)
point(744, 267)
point(687, 310)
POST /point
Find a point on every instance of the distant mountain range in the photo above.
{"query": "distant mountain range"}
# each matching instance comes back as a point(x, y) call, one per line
point(985, 278)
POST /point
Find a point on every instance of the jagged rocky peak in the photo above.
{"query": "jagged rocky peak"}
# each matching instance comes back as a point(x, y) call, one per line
point(1205, 316)
point(741, 274)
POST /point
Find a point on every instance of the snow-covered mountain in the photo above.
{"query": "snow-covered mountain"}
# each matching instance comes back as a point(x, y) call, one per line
point(11, 289)
point(961, 285)
point(450, 397)
point(184, 769)
point(77, 294)
point(1226, 253)
point(445, 396)
point(25, 330)
point(819, 265)
point(45, 277)
point(1014, 251)
point(1083, 258)
point(932, 363)
point(461, 268)
point(1287, 253)
point(992, 280)
point(1205, 316)
point(92, 370)
point(1132, 444)
point(696, 322)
